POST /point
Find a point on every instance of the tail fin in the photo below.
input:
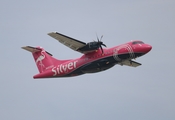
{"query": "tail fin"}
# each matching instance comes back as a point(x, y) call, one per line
point(43, 59)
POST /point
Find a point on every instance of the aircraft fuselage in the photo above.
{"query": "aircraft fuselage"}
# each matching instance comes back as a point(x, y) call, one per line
point(97, 61)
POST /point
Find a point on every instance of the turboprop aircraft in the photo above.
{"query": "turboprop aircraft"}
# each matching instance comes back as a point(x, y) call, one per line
point(95, 58)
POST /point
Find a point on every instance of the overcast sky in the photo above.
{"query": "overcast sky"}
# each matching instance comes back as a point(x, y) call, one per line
point(120, 93)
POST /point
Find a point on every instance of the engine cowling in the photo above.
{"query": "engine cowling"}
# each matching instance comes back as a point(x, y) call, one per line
point(90, 46)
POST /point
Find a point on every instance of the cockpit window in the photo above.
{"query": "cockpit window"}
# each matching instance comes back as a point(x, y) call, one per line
point(137, 42)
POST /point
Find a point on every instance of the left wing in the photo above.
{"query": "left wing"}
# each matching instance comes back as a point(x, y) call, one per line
point(130, 63)
point(68, 41)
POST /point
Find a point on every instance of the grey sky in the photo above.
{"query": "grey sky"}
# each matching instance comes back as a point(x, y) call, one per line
point(124, 93)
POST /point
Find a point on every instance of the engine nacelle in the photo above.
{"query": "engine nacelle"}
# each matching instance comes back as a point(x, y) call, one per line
point(90, 46)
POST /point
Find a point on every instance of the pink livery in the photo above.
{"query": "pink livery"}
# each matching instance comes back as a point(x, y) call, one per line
point(94, 58)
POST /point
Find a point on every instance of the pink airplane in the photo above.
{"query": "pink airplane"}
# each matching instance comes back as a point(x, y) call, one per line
point(94, 58)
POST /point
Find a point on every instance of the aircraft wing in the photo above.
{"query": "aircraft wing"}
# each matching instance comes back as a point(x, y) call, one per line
point(68, 41)
point(130, 63)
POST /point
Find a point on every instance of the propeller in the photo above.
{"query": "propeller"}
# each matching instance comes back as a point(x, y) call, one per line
point(100, 43)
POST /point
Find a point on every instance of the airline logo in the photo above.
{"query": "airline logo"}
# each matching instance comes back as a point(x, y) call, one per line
point(127, 47)
point(64, 68)
point(40, 59)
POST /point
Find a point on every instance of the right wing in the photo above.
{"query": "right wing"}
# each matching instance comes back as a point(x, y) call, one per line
point(68, 41)
point(130, 63)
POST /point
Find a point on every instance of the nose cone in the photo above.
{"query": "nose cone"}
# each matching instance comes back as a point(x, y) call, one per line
point(147, 48)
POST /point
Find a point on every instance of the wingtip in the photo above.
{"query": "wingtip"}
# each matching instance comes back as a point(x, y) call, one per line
point(23, 47)
point(52, 33)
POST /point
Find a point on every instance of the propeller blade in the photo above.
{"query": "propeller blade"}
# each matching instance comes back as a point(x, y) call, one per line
point(97, 38)
point(101, 37)
point(103, 45)
point(100, 43)
point(101, 49)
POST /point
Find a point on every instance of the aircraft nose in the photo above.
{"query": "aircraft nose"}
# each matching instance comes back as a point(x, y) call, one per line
point(147, 48)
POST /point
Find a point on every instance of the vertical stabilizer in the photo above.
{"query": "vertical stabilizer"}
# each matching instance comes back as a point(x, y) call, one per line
point(43, 59)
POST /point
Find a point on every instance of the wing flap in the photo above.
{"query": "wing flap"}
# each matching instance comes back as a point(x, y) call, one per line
point(68, 41)
point(130, 63)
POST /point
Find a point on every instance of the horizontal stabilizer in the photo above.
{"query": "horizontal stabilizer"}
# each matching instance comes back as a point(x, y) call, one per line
point(34, 49)
point(31, 49)
point(130, 63)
